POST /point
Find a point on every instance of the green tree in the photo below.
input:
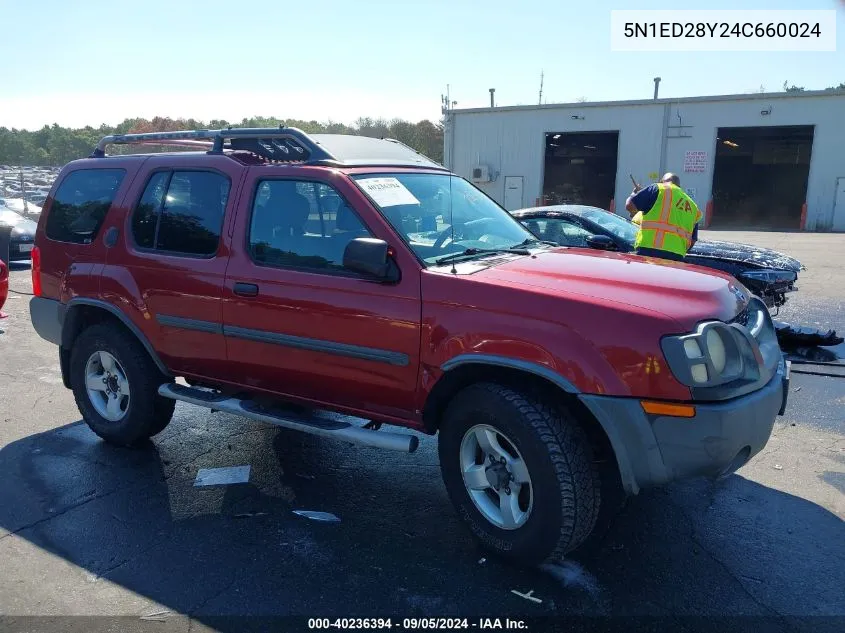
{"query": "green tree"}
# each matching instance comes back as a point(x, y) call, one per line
point(57, 145)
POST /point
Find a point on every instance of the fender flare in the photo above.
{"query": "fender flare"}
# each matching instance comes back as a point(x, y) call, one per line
point(125, 320)
point(511, 363)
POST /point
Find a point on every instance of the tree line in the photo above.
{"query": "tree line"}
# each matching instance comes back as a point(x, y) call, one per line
point(54, 145)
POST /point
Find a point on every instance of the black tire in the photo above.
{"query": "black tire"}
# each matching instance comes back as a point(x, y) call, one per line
point(613, 502)
point(565, 482)
point(147, 413)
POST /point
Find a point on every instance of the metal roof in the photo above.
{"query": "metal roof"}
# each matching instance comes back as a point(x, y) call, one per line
point(764, 96)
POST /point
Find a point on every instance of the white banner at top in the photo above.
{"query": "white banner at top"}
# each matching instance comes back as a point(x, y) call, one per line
point(723, 30)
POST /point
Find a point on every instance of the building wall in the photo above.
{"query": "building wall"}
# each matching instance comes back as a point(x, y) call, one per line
point(511, 141)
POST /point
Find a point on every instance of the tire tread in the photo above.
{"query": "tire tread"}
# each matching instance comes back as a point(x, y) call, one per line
point(569, 451)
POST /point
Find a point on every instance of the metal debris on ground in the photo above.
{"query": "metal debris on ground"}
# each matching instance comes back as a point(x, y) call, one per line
point(528, 596)
point(316, 515)
point(249, 515)
point(778, 467)
point(798, 335)
point(222, 476)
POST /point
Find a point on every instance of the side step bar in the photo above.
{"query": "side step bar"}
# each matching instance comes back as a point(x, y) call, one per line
point(334, 427)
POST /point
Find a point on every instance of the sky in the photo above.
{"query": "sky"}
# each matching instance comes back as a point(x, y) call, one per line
point(89, 62)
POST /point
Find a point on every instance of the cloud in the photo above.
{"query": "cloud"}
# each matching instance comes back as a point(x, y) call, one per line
point(75, 110)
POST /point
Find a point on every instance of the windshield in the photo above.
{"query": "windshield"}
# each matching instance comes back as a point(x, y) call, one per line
point(612, 223)
point(440, 215)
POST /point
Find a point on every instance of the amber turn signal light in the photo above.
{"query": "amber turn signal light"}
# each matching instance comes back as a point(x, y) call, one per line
point(667, 408)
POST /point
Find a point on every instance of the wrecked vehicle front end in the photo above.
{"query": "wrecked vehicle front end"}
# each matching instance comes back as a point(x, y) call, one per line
point(769, 274)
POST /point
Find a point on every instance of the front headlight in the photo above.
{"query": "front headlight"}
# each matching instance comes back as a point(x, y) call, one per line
point(769, 276)
point(712, 355)
point(719, 359)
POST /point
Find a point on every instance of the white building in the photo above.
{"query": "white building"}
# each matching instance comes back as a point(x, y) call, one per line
point(751, 161)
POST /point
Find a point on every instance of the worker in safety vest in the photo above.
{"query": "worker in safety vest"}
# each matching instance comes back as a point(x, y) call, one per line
point(668, 219)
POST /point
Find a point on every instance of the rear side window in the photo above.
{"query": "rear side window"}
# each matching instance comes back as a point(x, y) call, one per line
point(81, 203)
point(181, 212)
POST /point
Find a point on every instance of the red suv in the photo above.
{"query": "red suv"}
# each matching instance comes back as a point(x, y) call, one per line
point(332, 284)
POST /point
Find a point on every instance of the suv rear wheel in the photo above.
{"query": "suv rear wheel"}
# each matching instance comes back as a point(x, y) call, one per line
point(115, 384)
point(520, 473)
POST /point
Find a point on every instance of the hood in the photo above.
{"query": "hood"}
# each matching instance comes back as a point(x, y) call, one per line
point(745, 254)
point(688, 294)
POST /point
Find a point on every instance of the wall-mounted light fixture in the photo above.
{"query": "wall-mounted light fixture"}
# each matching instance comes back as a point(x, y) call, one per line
point(577, 117)
point(767, 111)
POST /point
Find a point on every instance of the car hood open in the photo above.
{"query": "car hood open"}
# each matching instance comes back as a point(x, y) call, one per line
point(680, 291)
point(745, 254)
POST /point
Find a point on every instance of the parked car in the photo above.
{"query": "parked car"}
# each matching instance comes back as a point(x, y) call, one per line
point(22, 237)
point(768, 274)
point(18, 205)
point(553, 377)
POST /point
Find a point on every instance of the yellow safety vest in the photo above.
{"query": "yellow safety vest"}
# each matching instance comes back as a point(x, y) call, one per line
point(669, 224)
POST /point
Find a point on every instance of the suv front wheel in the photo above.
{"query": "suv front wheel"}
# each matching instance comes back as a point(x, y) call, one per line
point(520, 473)
point(115, 384)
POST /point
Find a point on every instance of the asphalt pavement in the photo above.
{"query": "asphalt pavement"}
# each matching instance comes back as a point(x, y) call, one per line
point(91, 530)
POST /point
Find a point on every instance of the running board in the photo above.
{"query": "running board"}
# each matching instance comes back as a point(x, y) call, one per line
point(334, 427)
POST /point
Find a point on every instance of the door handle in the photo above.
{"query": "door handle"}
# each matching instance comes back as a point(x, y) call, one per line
point(245, 290)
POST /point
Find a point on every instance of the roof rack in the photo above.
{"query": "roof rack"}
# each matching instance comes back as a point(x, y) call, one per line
point(288, 144)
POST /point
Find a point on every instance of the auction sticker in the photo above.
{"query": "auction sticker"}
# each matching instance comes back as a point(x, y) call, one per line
point(387, 192)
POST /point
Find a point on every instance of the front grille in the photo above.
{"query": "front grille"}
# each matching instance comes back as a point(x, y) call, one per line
point(741, 318)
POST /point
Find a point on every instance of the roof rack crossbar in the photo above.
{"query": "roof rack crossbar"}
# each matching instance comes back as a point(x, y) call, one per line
point(265, 139)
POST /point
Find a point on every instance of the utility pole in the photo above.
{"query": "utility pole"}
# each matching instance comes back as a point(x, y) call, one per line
point(540, 102)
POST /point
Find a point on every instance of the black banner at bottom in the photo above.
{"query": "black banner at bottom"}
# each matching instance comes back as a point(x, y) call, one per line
point(167, 622)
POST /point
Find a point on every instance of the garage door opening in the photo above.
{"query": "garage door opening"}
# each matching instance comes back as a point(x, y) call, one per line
point(580, 168)
point(760, 177)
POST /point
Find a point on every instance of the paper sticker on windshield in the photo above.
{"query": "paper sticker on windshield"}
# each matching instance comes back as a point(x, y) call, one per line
point(387, 192)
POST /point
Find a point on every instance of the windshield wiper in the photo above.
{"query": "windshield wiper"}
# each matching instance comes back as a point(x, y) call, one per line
point(531, 241)
point(470, 253)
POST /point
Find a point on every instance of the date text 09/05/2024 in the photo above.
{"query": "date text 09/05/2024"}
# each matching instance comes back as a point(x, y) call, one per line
point(417, 624)
point(722, 29)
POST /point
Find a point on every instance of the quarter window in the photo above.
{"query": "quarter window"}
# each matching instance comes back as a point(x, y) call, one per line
point(302, 224)
point(81, 204)
point(181, 212)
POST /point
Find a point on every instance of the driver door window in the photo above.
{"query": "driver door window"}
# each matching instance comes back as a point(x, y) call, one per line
point(301, 224)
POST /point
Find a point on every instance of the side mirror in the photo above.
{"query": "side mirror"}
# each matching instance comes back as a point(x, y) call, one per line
point(601, 242)
point(371, 257)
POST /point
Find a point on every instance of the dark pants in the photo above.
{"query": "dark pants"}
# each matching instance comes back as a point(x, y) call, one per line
point(656, 252)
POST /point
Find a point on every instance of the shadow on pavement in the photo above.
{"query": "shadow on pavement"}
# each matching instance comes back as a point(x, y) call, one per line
point(134, 517)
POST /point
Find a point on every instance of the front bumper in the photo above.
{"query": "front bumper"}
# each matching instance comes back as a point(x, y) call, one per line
point(652, 450)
